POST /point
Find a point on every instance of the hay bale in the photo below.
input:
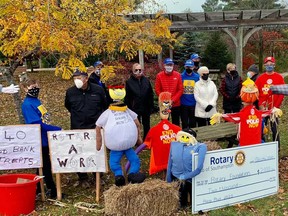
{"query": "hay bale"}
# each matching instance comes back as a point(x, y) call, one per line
point(212, 145)
point(152, 197)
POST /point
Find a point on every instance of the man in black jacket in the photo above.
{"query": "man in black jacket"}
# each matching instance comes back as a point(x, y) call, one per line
point(139, 96)
point(85, 101)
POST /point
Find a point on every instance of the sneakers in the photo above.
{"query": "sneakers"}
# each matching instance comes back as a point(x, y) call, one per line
point(136, 178)
point(119, 180)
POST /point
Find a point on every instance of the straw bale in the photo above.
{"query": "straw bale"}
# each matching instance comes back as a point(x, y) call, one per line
point(152, 197)
point(212, 145)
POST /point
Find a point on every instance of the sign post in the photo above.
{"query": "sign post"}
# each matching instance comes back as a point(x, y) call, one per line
point(235, 175)
point(75, 151)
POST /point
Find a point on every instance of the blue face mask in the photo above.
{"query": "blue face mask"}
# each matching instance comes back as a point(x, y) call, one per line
point(269, 68)
point(249, 75)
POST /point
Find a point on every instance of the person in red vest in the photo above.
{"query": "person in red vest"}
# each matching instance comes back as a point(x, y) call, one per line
point(170, 80)
point(268, 100)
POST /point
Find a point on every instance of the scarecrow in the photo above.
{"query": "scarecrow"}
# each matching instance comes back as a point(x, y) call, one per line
point(249, 118)
point(160, 136)
point(121, 132)
point(180, 162)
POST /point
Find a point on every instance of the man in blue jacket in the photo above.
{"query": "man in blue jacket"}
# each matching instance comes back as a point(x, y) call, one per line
point(180, 162)
point(35, 113)
point(188, 102)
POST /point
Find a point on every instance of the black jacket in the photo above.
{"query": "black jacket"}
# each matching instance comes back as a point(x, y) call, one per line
point(230, 89)
point(85, 106)
point(139, 95)
point(93, 78)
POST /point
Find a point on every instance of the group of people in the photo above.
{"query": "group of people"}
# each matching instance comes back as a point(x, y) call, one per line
point(193, 96)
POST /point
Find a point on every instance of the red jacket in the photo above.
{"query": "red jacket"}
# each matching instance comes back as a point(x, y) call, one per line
point(266, 98)
point(171, 83)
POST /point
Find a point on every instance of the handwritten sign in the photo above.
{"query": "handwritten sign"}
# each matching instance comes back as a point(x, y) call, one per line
point(75, 151)
point(20, 147)
point(235, 175)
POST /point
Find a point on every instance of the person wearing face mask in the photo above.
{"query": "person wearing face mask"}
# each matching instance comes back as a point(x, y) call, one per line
point(170, 80)
point(267, 99)
point(35, 113)
point(85, 101)
point(95, 77)
point(253, 72)
point(196, 60)
point(206, 95)
point(139, 96)
point(230, 89)
point(188, 102)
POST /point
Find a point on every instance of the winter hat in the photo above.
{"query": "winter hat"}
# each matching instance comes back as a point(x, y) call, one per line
point(203, 69)
point(254, 68)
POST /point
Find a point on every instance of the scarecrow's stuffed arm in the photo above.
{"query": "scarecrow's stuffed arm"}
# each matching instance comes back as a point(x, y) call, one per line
point(139, 140)
point(202, 149)
point(9, 89)
point(98, 138)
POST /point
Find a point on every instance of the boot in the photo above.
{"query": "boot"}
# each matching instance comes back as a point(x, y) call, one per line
point(136, 177)
point(119, 180)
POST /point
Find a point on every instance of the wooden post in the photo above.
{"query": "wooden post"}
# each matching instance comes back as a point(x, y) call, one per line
point(170, 53)
point(141, 58)
point(98, 185)
point(42, 185)
point(160, 60)
point(239, 50)
point(58, 186)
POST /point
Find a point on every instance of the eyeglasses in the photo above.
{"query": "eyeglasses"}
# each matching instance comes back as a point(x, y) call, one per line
point(138, 70)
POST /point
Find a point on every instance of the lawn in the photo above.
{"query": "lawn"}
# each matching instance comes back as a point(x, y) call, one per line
point(52, 95)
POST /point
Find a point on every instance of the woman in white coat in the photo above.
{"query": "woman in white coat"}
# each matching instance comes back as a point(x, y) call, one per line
point(206, 95)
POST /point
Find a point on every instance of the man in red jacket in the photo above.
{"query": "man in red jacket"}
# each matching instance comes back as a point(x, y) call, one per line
point(267, 100)
point(170, 80)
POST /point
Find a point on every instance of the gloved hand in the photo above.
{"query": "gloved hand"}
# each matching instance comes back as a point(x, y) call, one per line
point(11, 89)
point(215, 118)
point(208, 108)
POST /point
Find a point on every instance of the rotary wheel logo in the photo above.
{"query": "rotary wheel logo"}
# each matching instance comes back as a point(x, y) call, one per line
point(240, 158)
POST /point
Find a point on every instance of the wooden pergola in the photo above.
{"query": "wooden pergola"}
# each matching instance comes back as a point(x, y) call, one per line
point(244, 23)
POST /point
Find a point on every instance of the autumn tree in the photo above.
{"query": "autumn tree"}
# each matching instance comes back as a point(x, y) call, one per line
point(76, 29)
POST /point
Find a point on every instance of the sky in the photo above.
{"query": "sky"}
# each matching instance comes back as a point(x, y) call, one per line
point(178, 6)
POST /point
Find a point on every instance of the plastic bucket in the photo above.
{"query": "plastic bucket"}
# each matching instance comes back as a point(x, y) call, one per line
point(17, 198)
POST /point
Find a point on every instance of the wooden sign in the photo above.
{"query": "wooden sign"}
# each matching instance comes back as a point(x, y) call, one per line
point(20, 147)
point(75, 151)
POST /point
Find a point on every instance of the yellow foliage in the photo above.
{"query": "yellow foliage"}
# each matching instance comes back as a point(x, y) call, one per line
point(66, 67)
point(78, 28)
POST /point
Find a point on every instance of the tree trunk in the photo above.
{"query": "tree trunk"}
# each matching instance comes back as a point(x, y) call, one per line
point(17, 98)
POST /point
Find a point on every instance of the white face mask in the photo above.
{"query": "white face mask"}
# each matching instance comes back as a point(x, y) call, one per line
point(168, 69)
point(98, 72)
point(78, 83)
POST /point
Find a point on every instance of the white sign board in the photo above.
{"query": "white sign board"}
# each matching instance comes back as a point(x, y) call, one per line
point(20, 147)
point(235, 175)
point(75, 151)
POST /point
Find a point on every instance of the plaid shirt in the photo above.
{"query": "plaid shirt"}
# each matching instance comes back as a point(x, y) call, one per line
point(279, 89)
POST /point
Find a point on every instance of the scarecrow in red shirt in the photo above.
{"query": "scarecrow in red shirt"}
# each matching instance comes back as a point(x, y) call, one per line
point(160, 136)
point(249, 118)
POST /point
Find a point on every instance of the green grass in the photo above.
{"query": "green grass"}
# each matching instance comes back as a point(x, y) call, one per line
point(52, 96)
